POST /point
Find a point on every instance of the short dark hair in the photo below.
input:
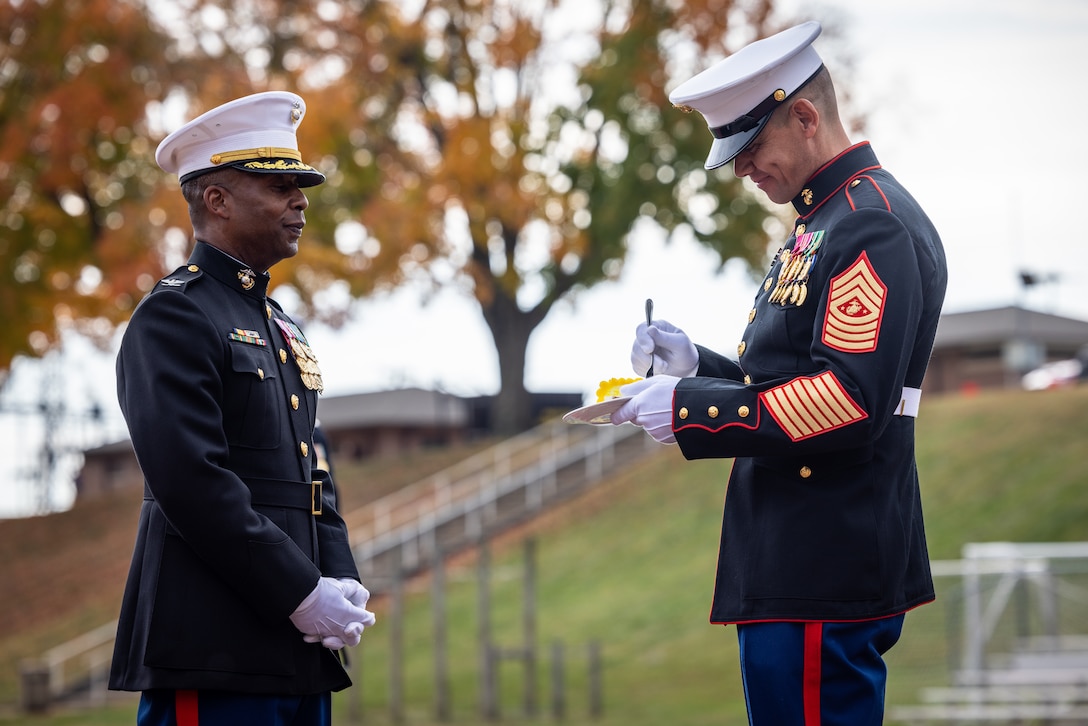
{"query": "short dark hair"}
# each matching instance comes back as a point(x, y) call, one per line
point(193, 190)
point(820, 91)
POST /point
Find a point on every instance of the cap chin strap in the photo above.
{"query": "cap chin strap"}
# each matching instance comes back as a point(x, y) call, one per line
point(263, 152)
point(751, 120)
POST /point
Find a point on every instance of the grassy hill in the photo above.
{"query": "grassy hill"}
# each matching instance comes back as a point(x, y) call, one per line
point(629, 565)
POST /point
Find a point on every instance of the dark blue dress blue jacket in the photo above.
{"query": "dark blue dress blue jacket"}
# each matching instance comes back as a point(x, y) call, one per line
point(823, 519)
point(212, 380)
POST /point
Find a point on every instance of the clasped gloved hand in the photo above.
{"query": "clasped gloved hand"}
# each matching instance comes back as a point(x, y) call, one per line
point(333, 613)
point(650, 406)
point(666, 347)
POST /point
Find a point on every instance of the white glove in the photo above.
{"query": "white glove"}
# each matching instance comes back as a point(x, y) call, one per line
point(354, 591)
point(357, 595)
point(666, 347)
point(328, 617)
point(650, 407)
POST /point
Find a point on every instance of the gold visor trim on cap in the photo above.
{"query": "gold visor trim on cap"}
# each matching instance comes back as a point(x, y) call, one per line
point(278, 165)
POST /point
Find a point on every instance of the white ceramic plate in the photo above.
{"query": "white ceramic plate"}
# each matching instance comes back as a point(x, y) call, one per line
point(596, 413)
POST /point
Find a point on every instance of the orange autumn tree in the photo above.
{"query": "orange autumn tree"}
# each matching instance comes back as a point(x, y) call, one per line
point(505, 147)
point(76, 241)
point(88, 222)
point(532, 137)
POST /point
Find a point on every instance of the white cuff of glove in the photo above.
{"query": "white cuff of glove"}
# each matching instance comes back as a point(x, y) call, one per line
point(664, 347)
point(650, 407)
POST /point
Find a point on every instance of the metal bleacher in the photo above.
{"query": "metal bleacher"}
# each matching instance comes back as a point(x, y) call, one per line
point(1038, 674)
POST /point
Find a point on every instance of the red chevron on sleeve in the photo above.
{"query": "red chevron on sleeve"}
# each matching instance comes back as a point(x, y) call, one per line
point(855, 305)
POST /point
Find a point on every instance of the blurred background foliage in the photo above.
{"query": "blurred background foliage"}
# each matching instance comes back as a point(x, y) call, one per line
point(506, 148)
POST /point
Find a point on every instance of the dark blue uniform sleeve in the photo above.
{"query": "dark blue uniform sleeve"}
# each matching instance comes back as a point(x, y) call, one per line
point(334, 549)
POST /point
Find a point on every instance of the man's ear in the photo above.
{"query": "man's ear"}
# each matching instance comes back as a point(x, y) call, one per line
point(805, 113)
point(217, 200)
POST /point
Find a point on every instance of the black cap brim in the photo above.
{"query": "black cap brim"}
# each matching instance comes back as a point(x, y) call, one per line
point(307, 175)
point(723, 151)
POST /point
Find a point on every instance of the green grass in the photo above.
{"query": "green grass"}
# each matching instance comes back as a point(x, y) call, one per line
point(631, 566)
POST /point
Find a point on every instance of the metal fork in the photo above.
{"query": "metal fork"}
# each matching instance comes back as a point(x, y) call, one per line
point(649, 315)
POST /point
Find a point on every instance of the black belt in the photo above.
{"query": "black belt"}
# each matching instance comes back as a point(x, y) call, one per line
point(279, 493)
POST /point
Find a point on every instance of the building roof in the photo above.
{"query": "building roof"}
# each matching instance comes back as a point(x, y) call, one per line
point(122, 446)
point(401, 407)
point(998, 325)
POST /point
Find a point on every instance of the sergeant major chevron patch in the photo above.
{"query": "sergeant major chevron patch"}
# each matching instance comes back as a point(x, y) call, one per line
point(855, 305)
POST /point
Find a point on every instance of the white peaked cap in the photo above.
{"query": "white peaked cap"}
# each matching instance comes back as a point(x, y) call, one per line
point(254, 133)
point(737, 95)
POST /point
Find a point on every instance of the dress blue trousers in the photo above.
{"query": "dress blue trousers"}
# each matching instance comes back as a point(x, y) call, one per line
point(217, 708)
point(816, 674)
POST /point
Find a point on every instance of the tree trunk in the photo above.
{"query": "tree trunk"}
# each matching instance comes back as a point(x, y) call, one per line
point(511, 410)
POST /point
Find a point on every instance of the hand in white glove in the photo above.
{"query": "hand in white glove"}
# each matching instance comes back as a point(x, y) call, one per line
point(328, 616)
point(357, 595)
point(666, 347)
point(354, 591)
point(650, 407)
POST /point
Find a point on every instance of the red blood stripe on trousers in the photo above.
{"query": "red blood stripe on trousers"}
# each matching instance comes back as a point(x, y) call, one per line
point(185, 708)
point(811, 676)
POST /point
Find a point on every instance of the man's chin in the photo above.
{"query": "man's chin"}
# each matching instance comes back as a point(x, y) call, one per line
point(777, 196)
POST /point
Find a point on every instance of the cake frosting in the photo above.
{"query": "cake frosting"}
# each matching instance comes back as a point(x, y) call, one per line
point(611, 388)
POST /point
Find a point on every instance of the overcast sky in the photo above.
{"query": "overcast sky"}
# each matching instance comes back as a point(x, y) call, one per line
point(977, 106)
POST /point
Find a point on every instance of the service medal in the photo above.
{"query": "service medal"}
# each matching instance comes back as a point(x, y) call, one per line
point(304, 355)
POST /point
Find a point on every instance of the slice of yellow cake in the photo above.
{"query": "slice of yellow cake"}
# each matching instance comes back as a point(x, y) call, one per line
point(611, 388)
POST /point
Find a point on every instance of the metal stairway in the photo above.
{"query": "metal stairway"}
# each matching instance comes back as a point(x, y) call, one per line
point(486, 494)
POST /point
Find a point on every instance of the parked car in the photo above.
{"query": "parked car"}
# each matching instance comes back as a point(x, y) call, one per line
point(1055, 374)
